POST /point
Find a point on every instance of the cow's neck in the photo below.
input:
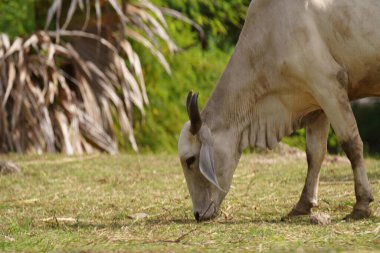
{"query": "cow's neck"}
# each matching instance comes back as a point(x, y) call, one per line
point(245, 103)
point(231, 103)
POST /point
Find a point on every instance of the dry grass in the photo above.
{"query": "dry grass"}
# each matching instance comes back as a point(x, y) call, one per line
point(140, 203)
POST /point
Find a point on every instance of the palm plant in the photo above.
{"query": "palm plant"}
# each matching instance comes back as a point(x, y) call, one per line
point(63, 89)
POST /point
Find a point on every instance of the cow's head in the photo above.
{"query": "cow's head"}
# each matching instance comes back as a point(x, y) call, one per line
point(208, 162)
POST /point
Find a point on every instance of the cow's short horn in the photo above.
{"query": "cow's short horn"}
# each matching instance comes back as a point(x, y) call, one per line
point(193, 112)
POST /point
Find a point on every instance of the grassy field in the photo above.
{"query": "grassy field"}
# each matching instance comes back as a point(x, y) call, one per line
point(99, 203)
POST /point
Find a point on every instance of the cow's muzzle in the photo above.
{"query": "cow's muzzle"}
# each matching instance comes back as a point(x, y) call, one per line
point(197, 216)
point(210, 213)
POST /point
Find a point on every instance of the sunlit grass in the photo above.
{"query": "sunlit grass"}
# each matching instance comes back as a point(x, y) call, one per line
point(88, 204)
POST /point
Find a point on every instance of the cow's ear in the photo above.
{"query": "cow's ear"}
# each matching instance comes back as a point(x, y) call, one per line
point(206, 165)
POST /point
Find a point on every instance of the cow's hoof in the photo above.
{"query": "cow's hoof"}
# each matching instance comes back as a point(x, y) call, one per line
point(299, 212)
point(7, 168)
point(295, 213)
point(358, 214)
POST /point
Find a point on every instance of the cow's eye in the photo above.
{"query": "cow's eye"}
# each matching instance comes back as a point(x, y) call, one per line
point(190, 161)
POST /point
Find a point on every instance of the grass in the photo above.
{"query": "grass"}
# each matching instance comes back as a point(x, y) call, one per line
point(87, 204)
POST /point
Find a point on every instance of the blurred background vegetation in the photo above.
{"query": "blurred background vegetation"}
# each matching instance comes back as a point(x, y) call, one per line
point(17, 17)
point(196, 66)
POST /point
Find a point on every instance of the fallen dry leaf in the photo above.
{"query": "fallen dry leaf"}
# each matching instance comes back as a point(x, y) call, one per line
point(138, 216)
point(9, 239)
point(29, 201)
point(50, 219)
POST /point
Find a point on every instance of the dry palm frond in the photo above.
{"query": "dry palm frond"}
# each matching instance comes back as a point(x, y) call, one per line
point(46, 108)
point(63, 90)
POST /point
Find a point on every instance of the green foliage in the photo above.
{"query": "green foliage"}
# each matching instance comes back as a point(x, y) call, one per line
point(368, 120)
point(333, 145)
point(222, 20)
point(17, 17)
point(192, 70)
point(297, 139)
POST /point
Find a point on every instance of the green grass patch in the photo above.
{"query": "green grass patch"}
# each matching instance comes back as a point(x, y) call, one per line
point(75, 204)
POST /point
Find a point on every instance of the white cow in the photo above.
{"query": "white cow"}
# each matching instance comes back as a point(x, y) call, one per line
point(298, 63)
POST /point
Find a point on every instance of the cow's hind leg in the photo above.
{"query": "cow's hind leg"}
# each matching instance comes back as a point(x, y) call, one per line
point(316, 147)
point(354, 151)
point(335, 103)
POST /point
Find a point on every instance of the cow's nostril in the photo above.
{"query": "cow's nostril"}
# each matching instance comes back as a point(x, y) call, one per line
point(197, 216)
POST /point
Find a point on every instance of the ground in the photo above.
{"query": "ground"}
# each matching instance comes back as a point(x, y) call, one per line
point(140, 203)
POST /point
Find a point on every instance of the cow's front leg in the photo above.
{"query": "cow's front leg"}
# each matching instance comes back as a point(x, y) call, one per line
point(316, 147)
